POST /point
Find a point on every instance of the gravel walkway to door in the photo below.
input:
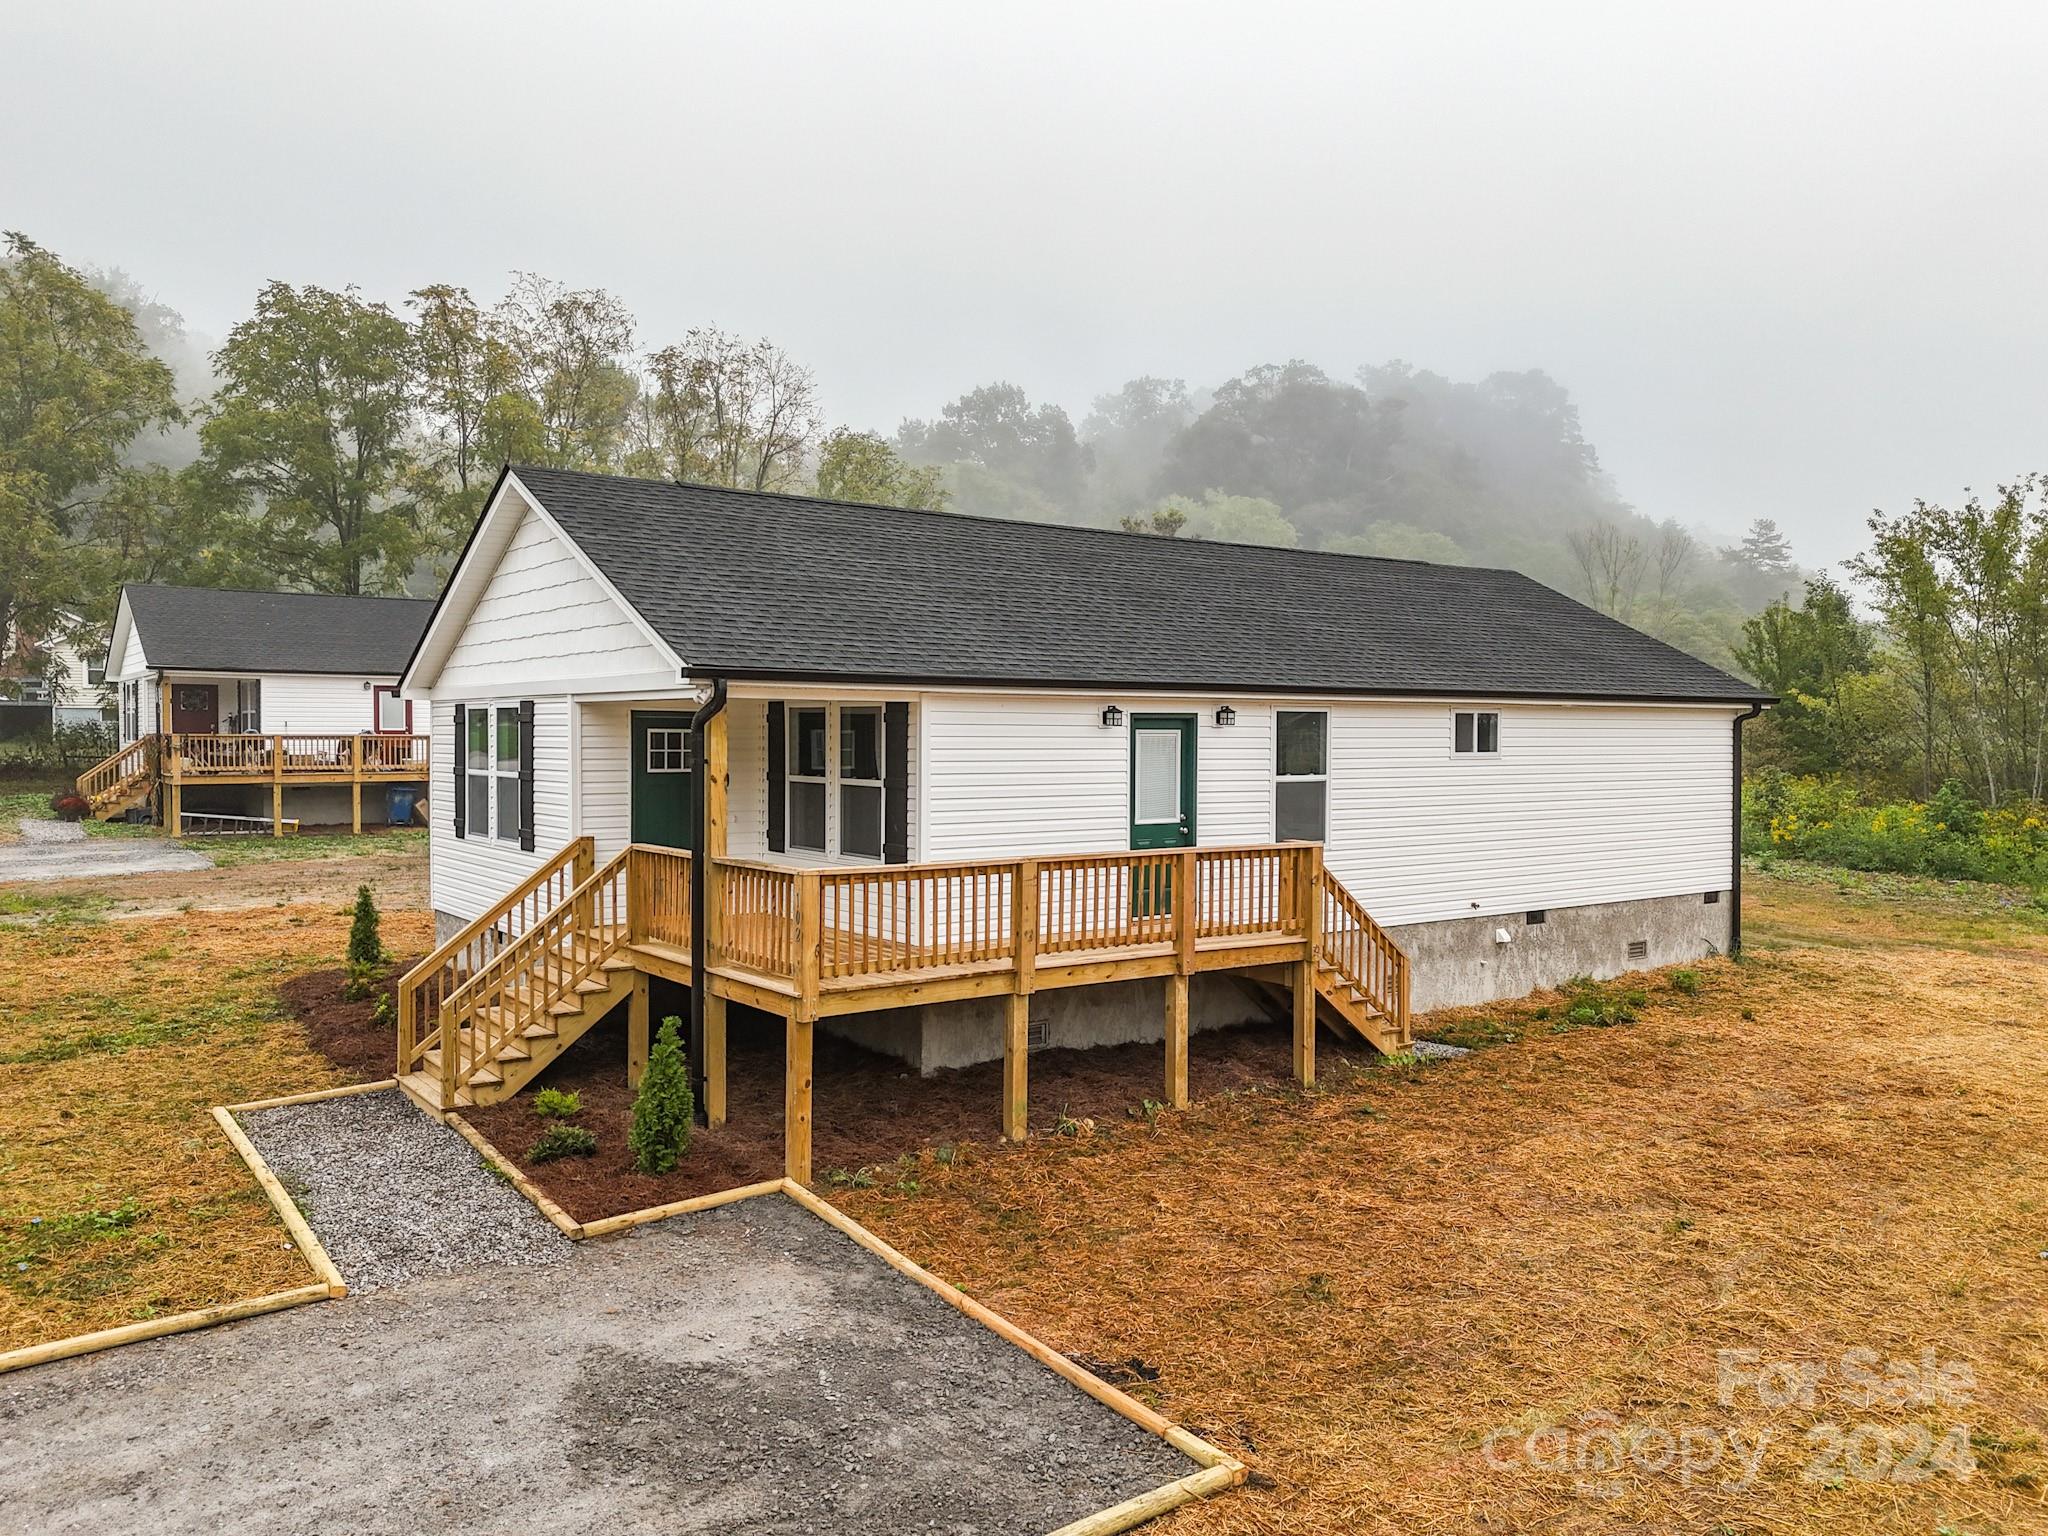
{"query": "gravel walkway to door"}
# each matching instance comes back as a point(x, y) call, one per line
point(394, 1194)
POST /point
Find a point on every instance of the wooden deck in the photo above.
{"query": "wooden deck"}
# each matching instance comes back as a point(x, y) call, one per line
point(162, 767)
point(488, 1011)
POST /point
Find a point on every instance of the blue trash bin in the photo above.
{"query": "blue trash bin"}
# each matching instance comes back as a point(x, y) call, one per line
point(399, 810)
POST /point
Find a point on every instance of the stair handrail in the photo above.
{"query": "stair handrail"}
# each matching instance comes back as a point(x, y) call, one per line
point(423, 987)
point(541, 959)
point(1373, 962)
point(109, 772)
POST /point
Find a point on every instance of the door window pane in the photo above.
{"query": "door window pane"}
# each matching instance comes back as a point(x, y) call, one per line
point(807, 815)
point(390, 710)
point(668, 750)
point(1157, 775)
point(1300, 810)
point(1300, 745)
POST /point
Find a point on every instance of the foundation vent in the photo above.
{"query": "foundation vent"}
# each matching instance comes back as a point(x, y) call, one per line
point(1713, 898)
point(1537, 918)
point(1638, 949)
point(1037, 1035)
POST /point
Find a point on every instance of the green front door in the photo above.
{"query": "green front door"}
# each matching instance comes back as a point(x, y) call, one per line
point(661, 778)
point(1162, 781)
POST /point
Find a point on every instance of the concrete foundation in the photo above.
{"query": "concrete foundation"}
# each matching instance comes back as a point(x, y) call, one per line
point(1464, 961)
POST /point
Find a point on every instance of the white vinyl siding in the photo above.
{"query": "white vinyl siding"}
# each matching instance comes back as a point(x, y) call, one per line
point(1584, 804)
point(468, 875)
point(543, 618)
point(606, 780)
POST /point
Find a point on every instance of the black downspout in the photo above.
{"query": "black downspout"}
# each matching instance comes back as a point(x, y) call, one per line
point(699, 834)
point(1735, 839)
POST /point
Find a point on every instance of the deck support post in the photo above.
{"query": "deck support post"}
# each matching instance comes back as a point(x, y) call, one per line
point(714, 1057)
point(355, 783)
point(796, 1100)
point(1016, 1065)
point(636, 1031)
point(1177, 1040)
point(277, 786)
point(1305, 1022)
point(176, 814)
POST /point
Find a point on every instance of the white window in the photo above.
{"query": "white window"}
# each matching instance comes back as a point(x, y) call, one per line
point(807, 774)
point(860, 781)
point(668, 749)
point(394, 714)
point(491, 772)
point(1475, 731)
point(1301, 776)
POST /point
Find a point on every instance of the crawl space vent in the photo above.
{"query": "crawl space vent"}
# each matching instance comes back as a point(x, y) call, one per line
point(1037, 1035)
point(1639, 949)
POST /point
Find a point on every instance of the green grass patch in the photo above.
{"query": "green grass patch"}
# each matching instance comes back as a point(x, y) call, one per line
point(78, 1254)
point(73, 906)
point(234, 852)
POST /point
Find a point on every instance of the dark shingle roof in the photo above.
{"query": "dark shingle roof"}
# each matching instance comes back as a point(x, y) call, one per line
point(753, 585)
point(207, 628)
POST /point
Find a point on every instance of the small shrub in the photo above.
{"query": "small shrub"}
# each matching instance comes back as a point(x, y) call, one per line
point(67, 806)
point(365, 943)
point(383, 1013)
point(663, 1112)
point(1688, 983)
point(554, 1104)
point(359, 984)
point(853, 1178)
point(1598, 1005)
point(562, 1141)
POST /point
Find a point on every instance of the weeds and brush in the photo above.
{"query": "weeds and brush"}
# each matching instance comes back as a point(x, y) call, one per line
point(1687, 982)
point(562, 1140)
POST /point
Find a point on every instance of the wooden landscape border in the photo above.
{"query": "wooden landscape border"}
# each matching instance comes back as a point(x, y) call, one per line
point(329, 1286)
point(1219, 1469)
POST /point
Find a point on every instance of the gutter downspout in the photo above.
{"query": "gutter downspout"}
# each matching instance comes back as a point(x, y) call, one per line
point(1735, 837)
point(705, 713)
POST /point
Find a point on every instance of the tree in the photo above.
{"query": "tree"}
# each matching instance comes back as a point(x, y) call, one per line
point(1398, 541)
point(1765, 550)
point(665, 1106)
point(573, 385)
point(1288, 434)
point(1611, 563)
point(77, 389)
point(861, 466)
point(997, 428)
point(471, 417)
point(1217, 517)
point(310, 434)
point(1806, 656)
point(723, 411)
point(1125, 435)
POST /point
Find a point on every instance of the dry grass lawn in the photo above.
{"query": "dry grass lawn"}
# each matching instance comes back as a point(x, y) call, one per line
point(1383, 1289)
point(119, 1197)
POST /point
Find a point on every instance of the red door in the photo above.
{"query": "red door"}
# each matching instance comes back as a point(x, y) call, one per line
point(195, 709)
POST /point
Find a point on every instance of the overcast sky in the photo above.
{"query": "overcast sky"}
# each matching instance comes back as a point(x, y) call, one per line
point(1789, 259)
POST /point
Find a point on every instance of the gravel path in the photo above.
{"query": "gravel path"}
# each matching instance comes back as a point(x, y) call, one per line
point(394, 1194)
point(741, 1370)
point(60, 850)
point(1436, 1050)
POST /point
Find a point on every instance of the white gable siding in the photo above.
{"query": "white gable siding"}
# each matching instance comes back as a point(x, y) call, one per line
point(543, 618)
point(1583, 804)
point(467, 876)
point(133, 663)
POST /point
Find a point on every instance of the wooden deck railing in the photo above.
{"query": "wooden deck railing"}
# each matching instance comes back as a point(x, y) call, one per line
point(519, 986)
point(434, 979)
point(135, 761)
point(1361, 951)
point(298, 756)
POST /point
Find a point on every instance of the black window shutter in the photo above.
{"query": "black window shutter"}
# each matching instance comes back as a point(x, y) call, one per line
point(460, 792)
point(896, 783)
point(526, 774)
point(778, 770)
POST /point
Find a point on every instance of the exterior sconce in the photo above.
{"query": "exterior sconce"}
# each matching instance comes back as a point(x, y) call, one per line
point(1112, 717)
point(1226, 716)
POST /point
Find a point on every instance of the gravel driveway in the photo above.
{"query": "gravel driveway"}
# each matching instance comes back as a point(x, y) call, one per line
point(746, 1369)
point(60, 850)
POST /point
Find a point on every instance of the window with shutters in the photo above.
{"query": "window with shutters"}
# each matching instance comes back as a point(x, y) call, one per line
point(860, 781)
point(808, 770)
point(505, 773)
point(841, 790)
point(492, 757)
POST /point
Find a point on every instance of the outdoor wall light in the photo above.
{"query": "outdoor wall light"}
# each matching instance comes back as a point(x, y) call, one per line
point(1112, 717)
point(1226, 716)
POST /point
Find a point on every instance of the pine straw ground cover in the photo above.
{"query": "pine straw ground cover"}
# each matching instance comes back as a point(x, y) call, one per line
point(119, 1197)
point(1383, 1288)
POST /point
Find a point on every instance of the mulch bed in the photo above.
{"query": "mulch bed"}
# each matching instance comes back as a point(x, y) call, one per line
point(347, 1034)
point(868, 1109)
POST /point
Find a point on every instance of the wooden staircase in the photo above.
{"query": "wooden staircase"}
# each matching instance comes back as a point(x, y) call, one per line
point(1361, 974)
point(122, 781)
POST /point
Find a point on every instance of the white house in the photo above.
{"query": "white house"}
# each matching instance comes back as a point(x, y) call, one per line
point(55, 683)
point(1517, 789)
point(259, 705)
